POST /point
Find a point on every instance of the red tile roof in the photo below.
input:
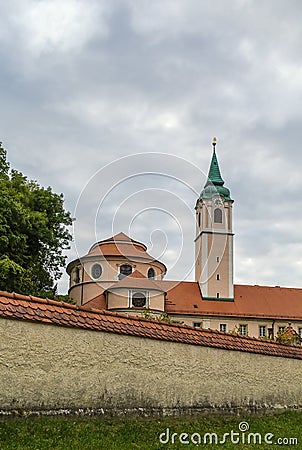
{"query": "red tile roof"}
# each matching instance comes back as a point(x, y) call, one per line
point(137, 274)
point(21, 307)
point(250, 301)
point(122, 245)
point(119, 245)
point(98, 302)
point(126, 249)
point(123, 237)
point(139, 283)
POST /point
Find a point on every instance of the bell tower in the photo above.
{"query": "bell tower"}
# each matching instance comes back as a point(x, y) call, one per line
point(214, 237)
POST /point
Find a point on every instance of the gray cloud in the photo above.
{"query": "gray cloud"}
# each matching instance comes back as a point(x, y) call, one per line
point(86, 82)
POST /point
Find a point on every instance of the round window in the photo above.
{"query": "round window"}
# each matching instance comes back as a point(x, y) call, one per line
point(139, 300)
point(96, 271)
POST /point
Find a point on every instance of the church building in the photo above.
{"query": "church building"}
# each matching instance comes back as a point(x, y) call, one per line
point(118, 274)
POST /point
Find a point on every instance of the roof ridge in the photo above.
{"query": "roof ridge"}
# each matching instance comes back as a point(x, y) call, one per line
point(268, 287)
point(121, 237)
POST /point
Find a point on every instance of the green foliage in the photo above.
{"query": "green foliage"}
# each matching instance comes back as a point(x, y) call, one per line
point(235, 330)
point(97, 433)
point(51, 294)
point(284, 337)
point(163, 317)
point(4, 165)
point(33, 233)
point(65, 299)
point(147, 314)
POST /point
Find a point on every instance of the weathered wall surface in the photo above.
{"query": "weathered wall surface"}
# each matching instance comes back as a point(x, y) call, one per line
point(45, 367)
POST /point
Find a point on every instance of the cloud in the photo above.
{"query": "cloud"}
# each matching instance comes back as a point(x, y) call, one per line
point(56, 26)
point(84, 83)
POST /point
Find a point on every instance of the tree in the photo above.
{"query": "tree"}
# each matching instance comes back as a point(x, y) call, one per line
point(33, 233)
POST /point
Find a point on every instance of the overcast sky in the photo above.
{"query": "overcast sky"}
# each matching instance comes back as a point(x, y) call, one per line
point(115, 104)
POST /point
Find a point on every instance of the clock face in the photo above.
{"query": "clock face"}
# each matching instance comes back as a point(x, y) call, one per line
point(218, 202)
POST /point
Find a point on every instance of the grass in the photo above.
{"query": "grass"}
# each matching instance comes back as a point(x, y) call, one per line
point(96, 433)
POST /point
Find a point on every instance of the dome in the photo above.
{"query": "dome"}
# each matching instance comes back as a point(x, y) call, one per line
point(211, 190)
point(119, 247)
point(122, 245)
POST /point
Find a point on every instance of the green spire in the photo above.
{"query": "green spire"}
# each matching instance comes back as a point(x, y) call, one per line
point(214, 185)
point(214, 176)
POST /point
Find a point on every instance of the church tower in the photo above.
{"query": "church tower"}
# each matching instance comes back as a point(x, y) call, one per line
point(214, 237)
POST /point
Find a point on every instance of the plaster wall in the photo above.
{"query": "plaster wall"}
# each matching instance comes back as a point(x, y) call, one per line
point(43, 366)
point(218, 246)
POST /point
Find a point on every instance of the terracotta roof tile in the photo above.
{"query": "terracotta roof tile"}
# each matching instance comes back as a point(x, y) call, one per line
point(99, 301)
point(135, 282)
point(33, 309)
point(46, 320)
point(250, 301)
point(119, 245)
point(11, 308)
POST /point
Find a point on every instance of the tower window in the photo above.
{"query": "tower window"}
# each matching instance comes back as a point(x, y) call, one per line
point(151, 273)
point(217, 259)
point(218, 277)
point(217, 215)
point(125, 270)
point(217, 295)
point(199, 219)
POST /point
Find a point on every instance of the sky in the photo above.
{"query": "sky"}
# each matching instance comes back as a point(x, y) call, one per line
point(115, 105)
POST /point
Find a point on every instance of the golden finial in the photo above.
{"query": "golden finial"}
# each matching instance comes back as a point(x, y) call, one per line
point(214, 141)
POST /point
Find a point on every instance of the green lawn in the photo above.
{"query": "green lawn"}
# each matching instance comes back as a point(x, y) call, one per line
point(95, 433)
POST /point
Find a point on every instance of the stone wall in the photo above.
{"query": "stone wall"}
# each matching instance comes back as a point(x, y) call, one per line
point(43, 367)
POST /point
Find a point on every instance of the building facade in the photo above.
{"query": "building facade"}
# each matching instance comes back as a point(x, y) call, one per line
point(118, 274)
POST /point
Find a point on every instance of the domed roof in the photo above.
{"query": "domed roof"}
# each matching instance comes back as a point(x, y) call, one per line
point(119, 246)
point(211, 190)
point(122, 245)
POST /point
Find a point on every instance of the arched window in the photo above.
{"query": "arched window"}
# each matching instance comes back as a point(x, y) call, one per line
point(77, 275)
point(139, 300)
point(217, 215)
point(151, 273)
point(125, 270)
